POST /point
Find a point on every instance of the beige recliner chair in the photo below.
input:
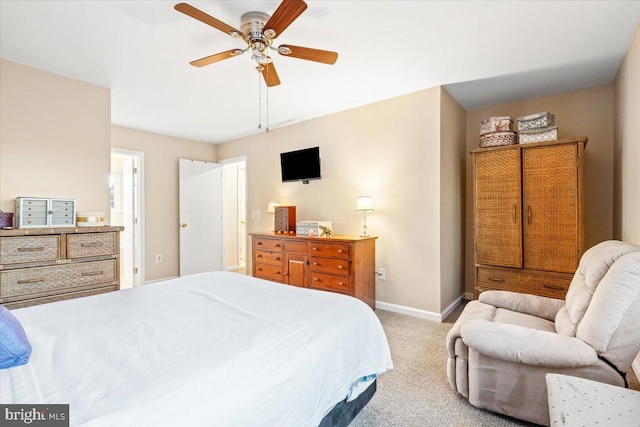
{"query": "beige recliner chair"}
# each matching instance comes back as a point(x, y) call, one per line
point(503, 344)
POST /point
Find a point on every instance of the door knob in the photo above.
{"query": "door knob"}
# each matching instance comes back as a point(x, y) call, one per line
point(184, 225)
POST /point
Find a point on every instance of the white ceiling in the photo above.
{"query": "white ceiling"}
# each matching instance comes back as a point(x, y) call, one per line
point(484, 52)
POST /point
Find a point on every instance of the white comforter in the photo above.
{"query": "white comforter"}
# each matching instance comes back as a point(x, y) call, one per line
point(213, 349)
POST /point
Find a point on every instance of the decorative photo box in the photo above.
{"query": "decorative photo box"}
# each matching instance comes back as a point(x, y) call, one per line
point(496, 124)
point(536, 121)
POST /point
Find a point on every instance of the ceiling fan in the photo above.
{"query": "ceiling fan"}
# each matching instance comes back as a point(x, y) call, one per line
point(259, 30)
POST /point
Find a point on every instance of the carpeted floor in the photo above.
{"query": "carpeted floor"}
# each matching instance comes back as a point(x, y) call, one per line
point(416, 392)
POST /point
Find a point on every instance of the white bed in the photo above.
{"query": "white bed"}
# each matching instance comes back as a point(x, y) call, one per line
point(213, 349)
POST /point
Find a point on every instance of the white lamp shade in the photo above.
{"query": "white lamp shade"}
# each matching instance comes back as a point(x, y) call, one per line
point(365, 203)
point(272, 207)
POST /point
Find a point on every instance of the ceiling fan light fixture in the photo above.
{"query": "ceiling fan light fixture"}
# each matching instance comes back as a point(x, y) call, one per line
point(284, 50)
point(269, 33)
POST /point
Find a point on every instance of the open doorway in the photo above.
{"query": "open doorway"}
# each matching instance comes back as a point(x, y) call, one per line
point(126, 183)
point(234, 214)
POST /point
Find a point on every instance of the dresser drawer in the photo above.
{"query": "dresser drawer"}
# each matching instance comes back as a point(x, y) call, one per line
point(267, 257)
point(328, 282)
point(334, 250)
point(54, 298)
point(91, 244)
point(45, 279)
point(330, 265)
point(502, 279)
point(268, 244)
point(553, 287)
point(270, 272)
point(24, 249)
point(297, 247)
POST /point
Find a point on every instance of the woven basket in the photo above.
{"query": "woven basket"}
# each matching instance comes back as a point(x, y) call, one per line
point(497, 138)
point(6, 219)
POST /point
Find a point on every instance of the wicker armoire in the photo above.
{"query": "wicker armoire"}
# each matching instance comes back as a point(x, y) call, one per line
point(528, 216)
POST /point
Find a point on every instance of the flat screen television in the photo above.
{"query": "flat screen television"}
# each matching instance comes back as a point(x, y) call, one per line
point(300, 165)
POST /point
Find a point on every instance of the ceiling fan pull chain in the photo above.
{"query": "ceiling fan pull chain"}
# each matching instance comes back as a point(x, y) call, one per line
point(259, 101)
point(267, 129)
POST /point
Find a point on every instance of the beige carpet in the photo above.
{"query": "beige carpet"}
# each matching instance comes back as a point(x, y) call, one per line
point(416, 392)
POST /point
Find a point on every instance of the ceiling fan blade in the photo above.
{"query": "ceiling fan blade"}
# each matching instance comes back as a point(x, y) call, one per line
point(317, 55)
point(207, 19)
point(216, 58)
point(270, 75)
point(284, 15)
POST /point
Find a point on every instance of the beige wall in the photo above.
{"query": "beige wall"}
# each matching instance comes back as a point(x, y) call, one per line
point(54, 138)
point(389, 150)
point(627, 150)
point(161, 154)
point(586, 112)
point(627, 146)
point(452, 198)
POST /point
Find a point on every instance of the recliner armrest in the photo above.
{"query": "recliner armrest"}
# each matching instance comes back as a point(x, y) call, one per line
point(535, 305)
point(518, 344)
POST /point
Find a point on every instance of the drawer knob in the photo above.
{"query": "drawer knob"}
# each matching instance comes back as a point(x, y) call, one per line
point(277, 258)
point(315, 279)
point(259, 269)
point(315, 263)
point(314, 249)
point(340, 283)
point(259, 244)
point(340, 267)
point(340, 251)
point(277, 245)
point(258, 256)
point(496, 279)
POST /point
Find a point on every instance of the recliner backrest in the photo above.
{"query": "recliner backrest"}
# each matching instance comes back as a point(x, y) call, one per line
point(593, 267)
point(611, 324)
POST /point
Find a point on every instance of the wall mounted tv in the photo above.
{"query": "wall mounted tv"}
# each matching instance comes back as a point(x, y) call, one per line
point(300, 165)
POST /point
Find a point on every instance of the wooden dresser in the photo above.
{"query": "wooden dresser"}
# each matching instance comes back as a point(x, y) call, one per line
point(41, 265)
point(528, 216)
point(343, 264)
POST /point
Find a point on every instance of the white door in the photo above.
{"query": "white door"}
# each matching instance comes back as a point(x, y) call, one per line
point(127, 258)
point(200, 217)
point(127, 210)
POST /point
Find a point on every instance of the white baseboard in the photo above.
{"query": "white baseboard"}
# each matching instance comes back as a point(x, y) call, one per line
point(416, 312)
point(160, 280)
point(636, 366)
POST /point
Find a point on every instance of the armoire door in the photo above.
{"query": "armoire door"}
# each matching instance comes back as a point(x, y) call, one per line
point(550, 177)
point(497, 207)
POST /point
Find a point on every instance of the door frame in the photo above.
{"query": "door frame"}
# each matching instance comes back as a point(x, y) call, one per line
point(140, 246)
point(245, 237)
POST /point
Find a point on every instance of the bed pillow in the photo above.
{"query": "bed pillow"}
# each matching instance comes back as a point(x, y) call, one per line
point(15, 349)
